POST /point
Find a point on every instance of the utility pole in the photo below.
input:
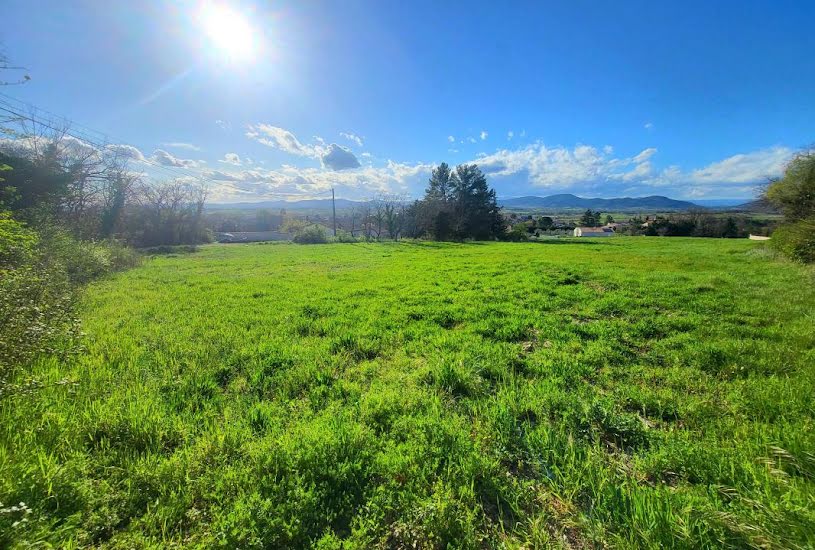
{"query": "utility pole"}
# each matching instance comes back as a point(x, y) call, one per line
point(334, 211)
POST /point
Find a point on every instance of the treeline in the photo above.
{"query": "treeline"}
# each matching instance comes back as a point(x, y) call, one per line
point(698, 224)
point(458, 205)
point(90, 192)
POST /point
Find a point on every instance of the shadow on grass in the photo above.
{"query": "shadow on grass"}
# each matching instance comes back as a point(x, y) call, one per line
point(166, 250)
point(604, 241)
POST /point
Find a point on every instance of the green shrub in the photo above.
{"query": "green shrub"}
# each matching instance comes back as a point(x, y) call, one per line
point(38, 278)
point(796, 240)
point(344, 237)
point(83, 261)
point(36, 315)
point(17, 242)
point(313, 234)
point(519, 233)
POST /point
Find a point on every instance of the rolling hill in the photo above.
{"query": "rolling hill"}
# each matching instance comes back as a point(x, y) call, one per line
point(562, 201)
point(567, 200)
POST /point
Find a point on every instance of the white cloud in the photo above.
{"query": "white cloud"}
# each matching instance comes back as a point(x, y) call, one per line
point(484, 135)
point(352, 137)
point(181, 145)
point(292, 182)
point(451, 139)
point(745, 168)
point(164, 158)
point(551, 167)
point(126, 151)
point(279, 138)
point(471, 139)
point(584, 169)
point(453, 151)
point(510, 135)
point(233, 159)
point(644, 155)
point(648, 126)
point(224, 125)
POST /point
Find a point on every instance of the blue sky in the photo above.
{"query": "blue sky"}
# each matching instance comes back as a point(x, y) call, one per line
point(686, 99)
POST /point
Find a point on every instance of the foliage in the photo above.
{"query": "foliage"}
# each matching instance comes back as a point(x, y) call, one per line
point(17, 242)
point(312, 234)
point(36, 313)
point(89, 192)
point(591, 218)
point(794, 194)
point(699, 223)
point(519, 233)
point(39, 274)
point(457, 205)
point(796, 240)
point(629, 393)
point(36, 317)
point(344, 237)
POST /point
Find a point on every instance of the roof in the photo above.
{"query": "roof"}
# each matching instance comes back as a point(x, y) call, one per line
point(594, 229)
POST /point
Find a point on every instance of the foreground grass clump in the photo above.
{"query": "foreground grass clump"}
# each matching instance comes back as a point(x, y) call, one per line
point(629, 393)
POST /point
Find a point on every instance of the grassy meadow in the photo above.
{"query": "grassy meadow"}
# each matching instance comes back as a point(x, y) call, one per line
point(625, 392)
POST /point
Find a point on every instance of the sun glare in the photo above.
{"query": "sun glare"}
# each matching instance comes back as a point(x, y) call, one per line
point(228, 30)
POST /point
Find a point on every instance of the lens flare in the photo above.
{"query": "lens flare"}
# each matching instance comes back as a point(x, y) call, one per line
point(229, 31)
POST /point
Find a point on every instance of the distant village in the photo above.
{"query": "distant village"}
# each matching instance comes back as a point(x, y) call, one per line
point(262, 225)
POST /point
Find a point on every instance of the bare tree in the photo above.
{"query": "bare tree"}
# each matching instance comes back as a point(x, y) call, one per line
point(6, 66)
point(393, 208)
point(366, 219)
point(352, 214)
point(378, 216)
point(169, 213)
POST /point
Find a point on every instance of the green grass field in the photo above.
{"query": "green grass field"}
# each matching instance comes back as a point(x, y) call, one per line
point(629, 392)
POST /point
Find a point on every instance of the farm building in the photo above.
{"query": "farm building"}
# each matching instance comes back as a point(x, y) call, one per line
point(593, 232)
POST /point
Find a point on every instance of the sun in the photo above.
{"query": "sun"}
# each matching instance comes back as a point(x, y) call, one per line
point(228, 30)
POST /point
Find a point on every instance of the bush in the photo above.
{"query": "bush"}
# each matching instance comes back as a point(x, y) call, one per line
point(36, 316)
point(39, 274)
point(796, 240)
point(313, 234)
point(83, 261)
point(17, 242)
point(519, 233)
point(344, 237)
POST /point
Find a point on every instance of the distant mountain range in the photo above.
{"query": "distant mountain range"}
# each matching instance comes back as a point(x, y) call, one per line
point(758, 206)
point(309, 204)
point(563, 201)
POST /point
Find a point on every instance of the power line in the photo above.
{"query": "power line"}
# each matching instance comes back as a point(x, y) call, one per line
point(104, 143)
point(176, 172)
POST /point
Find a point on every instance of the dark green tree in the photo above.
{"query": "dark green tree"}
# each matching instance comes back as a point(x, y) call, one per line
point(476, 213)
point(590, 218)
point(439, 186)
point(457, 205)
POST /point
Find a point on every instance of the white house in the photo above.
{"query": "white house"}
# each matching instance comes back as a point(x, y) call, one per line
point(593, 232)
